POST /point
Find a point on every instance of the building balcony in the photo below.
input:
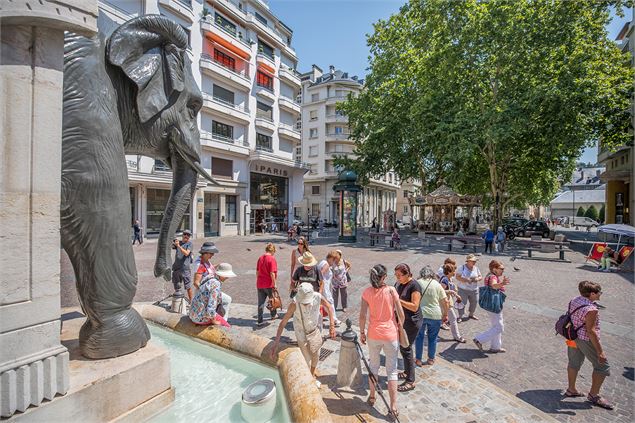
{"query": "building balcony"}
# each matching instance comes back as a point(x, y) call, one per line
point(231, 40)
point(266, 154)
point(266, 30)
point(291, 76)
point(231, 9)
point(288, 131)
point(336, 119)
point(289, 105)
point(238, 78)
point(335, 99)
point(337, 137)
point(220, 142)
point(182, 7)
point(265, 123)
point(265, 92)
point(234, 111)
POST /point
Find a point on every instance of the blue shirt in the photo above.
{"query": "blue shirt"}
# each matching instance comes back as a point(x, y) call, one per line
point(488, 235)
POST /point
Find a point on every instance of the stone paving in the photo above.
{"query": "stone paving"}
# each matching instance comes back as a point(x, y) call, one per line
point(533, 369)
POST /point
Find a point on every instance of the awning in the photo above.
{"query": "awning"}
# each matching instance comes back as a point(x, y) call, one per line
point(616, 229)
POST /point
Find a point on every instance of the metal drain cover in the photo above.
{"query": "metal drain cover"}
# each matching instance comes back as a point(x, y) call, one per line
point(324, 353)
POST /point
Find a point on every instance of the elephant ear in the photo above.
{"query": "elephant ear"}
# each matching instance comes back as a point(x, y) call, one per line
point(150, 50)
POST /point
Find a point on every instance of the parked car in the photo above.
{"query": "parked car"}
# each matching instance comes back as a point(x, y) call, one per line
point(584, 221)
point(514, 221)
point(402, 225)
point(534, 227)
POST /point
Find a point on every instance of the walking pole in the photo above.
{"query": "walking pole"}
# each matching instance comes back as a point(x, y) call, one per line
point(374, 379)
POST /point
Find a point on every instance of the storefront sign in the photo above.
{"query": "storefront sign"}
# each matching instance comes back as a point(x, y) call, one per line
point(269, 170)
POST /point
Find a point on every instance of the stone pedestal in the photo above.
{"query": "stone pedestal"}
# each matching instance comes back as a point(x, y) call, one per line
point(349, 368)
point(33, 362)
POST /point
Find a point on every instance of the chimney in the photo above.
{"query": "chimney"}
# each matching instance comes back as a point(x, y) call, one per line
point(331, 69)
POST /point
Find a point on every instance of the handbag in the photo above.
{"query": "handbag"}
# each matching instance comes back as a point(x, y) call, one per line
point(274, 302)
point(347, 265)
point(313, 338)
point(491, 299)
point(219, 308)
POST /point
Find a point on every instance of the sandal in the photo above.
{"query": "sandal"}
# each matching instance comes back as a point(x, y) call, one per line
point(502, 350)
point(418, 362)
point(402, 375)
point(406, 386)
point(460, 340)
point(599, 401)
point(571, 394)
point(371, 400)
point(478, 344)
point(394, 413)
point(430, 362)
point(473, 317)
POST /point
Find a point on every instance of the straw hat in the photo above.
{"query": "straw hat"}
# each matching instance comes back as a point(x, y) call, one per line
point(307, 259)
point(305, 293)
point(225, 270)
point(471, 257)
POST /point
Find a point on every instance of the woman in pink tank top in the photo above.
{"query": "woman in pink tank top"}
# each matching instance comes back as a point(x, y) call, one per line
point(380, 302)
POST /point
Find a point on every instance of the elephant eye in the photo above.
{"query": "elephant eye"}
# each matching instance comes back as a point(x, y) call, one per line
point(192, 110)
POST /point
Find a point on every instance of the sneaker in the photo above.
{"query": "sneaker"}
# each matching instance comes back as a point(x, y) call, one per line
point(445, 327)
point(318, 383)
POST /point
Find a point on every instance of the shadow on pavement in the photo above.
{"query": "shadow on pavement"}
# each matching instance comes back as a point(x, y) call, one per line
point(452, 354)
point(629, 373)
point(552, 401)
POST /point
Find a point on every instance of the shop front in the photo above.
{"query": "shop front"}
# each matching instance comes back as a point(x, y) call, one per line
point(269, 198)
point(156, 200)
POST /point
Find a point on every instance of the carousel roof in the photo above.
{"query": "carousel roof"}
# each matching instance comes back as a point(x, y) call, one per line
point(444, 195)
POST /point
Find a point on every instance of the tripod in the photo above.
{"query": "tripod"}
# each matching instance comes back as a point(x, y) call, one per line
point(373, 379)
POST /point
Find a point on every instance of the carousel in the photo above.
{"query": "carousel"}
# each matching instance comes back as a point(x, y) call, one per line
point(444, 211)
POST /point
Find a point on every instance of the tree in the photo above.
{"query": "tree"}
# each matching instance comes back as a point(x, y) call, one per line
point(602, 214)
point(580, 212)
point(498, 98)
point(592, 212)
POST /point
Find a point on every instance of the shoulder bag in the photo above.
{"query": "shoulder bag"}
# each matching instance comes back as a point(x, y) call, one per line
point(403, 336)
point(490, 299)
point(313, 338)
point(274, 302)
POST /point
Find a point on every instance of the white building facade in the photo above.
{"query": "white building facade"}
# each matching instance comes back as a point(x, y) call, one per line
point(325, 136)
point(243, 62)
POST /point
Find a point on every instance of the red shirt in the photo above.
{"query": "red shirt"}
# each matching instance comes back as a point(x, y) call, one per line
point(266, 265)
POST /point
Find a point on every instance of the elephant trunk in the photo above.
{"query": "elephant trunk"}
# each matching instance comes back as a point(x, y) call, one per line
point(184, 178)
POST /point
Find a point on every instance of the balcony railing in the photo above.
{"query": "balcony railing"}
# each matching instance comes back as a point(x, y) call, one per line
point(266, 87)
point(186, 3)
point(232, 33)
point(223, 138)
point(239, 107)
point(294, 101)
point(339, 136)
point(289, 127)
point(243, 72)
point(266, 118)
point(265, 148)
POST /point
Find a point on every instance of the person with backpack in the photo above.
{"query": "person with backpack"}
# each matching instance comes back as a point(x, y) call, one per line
point(494, 335)
point(500, 239)
point(583, 341)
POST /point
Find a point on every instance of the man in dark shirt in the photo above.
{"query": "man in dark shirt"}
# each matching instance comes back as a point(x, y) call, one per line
point(137, 232)
point(181, 273)
point(307, 272)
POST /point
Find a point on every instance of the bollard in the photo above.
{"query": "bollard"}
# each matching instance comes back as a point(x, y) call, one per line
point(349, 368)
point(178, 303)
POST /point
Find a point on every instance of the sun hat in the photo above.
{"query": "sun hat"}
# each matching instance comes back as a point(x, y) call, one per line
point(208, 247)
point(187, 232)
point(471, 257)
point(225, 270)
point(305, 293)
point(307, 259)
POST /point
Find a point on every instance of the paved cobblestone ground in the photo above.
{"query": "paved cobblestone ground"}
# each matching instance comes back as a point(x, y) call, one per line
point(533, 369)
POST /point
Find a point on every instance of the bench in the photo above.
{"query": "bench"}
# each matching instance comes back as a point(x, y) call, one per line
point(376, 237)
point(467, 241)
point(545, 247)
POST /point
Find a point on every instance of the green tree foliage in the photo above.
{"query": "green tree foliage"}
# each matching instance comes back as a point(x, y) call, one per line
point(498, 98)
point(602, 214)
point(592, 212)
point(581, 212)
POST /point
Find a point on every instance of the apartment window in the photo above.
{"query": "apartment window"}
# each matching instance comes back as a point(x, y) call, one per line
point(405, 194)
point(189, 38)
point(315, 189)
point(223, 94)
point(339, 113)
point(264, 111)
point(315, 97)
point(313, 151)
point(264, 80)
point(313, 115)
point(315, 209)
point(224, 59)
point(230, 208)
point(225, 24)
point(390, 178)
point(222, 130)
point(298, 154)
point(222, 167)
point(263, 142)
point(265, 49)
point(260, 18)
point(313, 133)
point(339, 93)
point(405, 210)
point(339, 130)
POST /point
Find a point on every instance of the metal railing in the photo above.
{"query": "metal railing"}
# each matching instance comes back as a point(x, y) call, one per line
point(215, 99)
point(237, 35)
point(289, 127)
point(292, 71)
point(338, 136)
point(186, 3)
point(223, 138)
point(264, 148)
point(264, 117)
point(266, 87)
point(282, 97)
point(244, 73)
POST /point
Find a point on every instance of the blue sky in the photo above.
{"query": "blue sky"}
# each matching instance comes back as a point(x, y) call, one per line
point(333, 32)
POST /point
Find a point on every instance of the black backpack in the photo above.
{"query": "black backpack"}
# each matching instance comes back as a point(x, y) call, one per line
point(564, 325)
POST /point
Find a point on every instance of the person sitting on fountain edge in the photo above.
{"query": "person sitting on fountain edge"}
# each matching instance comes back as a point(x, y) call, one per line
point(207, 306)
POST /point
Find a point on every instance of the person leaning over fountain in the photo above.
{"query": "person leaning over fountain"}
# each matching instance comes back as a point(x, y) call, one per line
point(206, 306)
point(307, 324)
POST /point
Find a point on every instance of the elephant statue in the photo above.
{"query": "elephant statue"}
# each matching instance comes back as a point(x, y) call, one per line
point(133, 93)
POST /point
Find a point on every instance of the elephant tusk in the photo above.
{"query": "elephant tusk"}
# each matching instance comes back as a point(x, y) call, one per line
point(202, 172)
point(174, 135)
